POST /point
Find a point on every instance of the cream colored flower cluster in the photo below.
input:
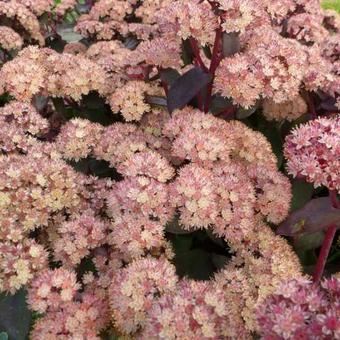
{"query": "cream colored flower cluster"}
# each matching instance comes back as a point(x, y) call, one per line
point(289, 110)
point(43, 71)
point(9, 39)
point(18, 12)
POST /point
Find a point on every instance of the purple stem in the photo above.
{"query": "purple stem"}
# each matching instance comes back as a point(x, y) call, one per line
point(327, 242)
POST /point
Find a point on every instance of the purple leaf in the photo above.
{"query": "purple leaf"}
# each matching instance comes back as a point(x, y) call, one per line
point(156, 100)
point(315, 216)
point(169, 76)
point(186, 88)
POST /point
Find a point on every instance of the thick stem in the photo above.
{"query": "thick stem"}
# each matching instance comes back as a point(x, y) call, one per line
point(327, 242)
point(334, 199)
point(200, 101)
point(228, 113)
point(163, 81)
point(216, 55)
point(325, 248)
point(197, 55)
point(311, 106)
point(215, 61)
point(89, 3)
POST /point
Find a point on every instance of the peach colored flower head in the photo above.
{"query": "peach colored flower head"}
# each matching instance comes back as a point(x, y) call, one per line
point(241, 15)
point(9, 39)
point(83, 319)
point(130, 99)
point(119, 142)
point(19, 263)
point(188, 19)
point(136, 237)
point(75, 239)
point(147, 163)
point(289, 110)
point(16, 11)
point(140, 196)
point(195, 311)
point(77, 138)
point(136, 288)
point(51, 289)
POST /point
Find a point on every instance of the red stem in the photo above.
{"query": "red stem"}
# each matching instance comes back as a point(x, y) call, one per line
point(325, 248)
point(334, 199)
point(163, 82)
point(216, 56)
point(311, 105)
point(200, 101)
point(327, 242)
point(227, 113)
point(196, 52)
point(215, 61)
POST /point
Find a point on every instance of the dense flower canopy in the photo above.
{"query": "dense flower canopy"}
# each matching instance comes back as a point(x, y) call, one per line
point(150, 129)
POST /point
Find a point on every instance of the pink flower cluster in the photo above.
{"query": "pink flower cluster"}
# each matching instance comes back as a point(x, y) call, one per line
point(70, 315)
point(43, 71)
point(313, 150)
point(299, 309)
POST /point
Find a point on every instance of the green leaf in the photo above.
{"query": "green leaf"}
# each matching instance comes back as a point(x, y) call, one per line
point(56, 43)
point(195, 264)
point(15, 318)
point(68, 34)
point(302, 193)
point(175, 227)
point(220, 104)
point(331, 4)
point(181, 243)
point(3, 336)
point(219, 261)
point(273, 133)
point(110, 334)
point(243, 113)
point(187, 56)
point(93, 167)
point(95, 109)
point(307, 242)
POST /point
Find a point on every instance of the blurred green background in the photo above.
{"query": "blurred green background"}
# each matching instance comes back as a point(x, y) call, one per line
point(331, 4)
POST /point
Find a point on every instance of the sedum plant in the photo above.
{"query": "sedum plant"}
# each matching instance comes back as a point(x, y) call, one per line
point(161, 124)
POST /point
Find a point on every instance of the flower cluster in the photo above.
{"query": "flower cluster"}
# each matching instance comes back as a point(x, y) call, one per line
point(289, 110)
point(300, 309)
point(185, 19)
point(9, 39)
point(20, 262)
point(20, 125)
point(270, 69)
point(73, 240)
point(71, 315)
point(17, 12)
point(130, 99)
point(87, 204)
point(43, 71)
point(312, 151)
